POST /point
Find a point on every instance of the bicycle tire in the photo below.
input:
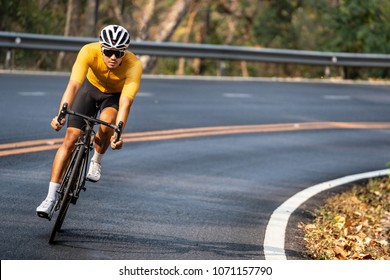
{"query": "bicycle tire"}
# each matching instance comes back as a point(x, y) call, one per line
point(76, 165)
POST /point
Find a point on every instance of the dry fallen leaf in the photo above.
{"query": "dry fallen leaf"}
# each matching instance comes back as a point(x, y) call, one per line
point(340, 221)
point(340, 253)
point(358, 228)
point(353, 225)
point(310, 227)
point(357, 214)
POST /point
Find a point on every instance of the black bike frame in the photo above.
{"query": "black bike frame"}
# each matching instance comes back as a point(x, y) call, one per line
point(76, 171)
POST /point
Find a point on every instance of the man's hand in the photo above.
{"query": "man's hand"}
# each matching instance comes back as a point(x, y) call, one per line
point(56, 125)
point(116, 145)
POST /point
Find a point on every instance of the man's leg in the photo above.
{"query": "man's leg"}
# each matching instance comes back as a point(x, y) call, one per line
point(102, 142)
point(103, 136)
point(58, 168)
point(63, 154)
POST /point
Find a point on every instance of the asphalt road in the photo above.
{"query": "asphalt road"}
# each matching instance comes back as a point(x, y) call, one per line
point(204, 196)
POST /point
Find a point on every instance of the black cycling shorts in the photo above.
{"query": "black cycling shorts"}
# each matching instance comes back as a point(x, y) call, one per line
point(90, 101)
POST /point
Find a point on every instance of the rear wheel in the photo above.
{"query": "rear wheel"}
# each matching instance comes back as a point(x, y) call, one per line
point(70, 183)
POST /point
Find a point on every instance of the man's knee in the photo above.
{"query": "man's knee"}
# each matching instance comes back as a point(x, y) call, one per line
point(71, 136)
point(109, 114)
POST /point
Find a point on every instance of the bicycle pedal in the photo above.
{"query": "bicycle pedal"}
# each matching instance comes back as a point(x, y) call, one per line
point(90, 180)
point(44, 215)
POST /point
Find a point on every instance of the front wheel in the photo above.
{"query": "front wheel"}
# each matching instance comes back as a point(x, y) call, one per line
point(70, 183)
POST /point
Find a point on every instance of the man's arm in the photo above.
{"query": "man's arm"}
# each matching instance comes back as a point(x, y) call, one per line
point(68, 97)
point(125, 103)
point(128, 94)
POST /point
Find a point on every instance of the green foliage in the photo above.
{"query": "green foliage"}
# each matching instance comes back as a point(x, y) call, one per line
point(32, 16)
point(273, 27)
point(358, 26)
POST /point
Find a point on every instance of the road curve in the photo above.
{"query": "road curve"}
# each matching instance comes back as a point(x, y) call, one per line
point(205, 165)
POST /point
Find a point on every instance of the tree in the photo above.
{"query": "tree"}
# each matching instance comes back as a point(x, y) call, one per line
point(68, 23)
point(166, 28)
point(274, 27)
point(187, 33)
point(322, 25)
point(144, 20)
point(91, 16)
point(360, 27)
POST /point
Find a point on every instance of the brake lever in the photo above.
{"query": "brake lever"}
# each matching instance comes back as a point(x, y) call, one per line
point(118, 131)
point(63, 112)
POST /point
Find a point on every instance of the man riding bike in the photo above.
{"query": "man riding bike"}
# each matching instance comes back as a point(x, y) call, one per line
point(113, 77)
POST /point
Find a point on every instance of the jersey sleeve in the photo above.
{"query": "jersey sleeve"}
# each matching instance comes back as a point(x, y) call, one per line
point(81, 65)
point(133, 80)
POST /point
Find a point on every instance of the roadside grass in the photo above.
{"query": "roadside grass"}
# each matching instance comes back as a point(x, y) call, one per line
point(354, 225)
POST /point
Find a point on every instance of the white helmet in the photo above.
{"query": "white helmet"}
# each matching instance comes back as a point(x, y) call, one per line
point(114, 37)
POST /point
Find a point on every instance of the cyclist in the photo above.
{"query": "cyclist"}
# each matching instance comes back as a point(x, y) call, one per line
point(106, 77)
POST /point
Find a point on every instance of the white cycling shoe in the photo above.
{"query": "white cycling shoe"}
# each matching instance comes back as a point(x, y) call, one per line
point(45, 210)
point(94, 171)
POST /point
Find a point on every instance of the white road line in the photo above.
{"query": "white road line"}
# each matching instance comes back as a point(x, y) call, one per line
point(32, 93)
point(337, 97)
point(237, 95)
point(274, 239)
point(144, 94)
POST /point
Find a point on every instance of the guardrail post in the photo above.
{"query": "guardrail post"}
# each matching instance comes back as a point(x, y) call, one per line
point(342, 71)
point(8, 59)
point(327, 71)
point(221, 68)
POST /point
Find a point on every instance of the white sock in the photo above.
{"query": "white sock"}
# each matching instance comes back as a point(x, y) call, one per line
point(97, 157)
point(52, 193)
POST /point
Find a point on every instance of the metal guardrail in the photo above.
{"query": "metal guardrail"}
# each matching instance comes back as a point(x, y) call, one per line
point(12, 40)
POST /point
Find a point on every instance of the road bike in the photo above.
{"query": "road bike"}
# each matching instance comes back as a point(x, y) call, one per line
point(75, 175)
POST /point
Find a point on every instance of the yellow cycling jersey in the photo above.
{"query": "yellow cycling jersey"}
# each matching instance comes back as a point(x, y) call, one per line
point(126, 78)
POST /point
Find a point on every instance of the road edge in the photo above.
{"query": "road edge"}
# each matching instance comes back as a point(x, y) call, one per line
point(275, 234)
point(219, 78)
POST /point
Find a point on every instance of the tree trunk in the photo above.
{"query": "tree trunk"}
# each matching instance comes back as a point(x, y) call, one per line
point(231, 7)
point(236, 16)
point(91, 15)
point(200, 34)
point(144, 22)
point(118, 8)
point(172, 20)
point(69, 12)
point(168, 27)
point(190, 24)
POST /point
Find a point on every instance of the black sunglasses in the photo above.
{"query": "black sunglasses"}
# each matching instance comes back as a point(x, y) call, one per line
point(117, 53)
